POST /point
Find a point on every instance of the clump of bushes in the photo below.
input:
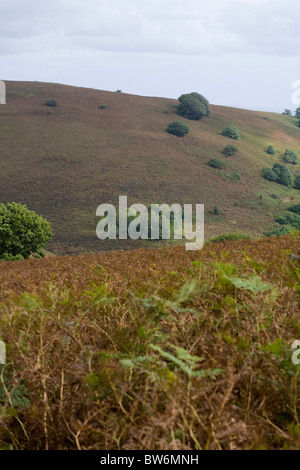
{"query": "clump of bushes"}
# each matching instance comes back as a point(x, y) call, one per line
point(193, 106)
point(290, 157)
point(230, 236)
point(215, 163)
point(288, 218)
point(232, 133)
point(52, 103)
point(295, 208)
point(278, 231)
point(230, 150)
point(297, 182)
point(102, 106)
point(178, 128)
point(279, 174)
point(271, 150)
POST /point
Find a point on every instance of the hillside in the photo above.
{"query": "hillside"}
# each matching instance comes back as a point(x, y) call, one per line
point(152, 349)
point(65, 161)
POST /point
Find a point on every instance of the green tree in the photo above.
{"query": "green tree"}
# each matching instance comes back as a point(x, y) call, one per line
point(230, 150)
point(287, 112)
point(22, 232)
point(231, 132)
point(290, 157)
point(297, 113)
point(269, 174)
point(271, 150)
point(178, 128)
point(284, 175)
point(193, 106)
point(297, 182)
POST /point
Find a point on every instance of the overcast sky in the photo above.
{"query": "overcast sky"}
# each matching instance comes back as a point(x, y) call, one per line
point(241, 53)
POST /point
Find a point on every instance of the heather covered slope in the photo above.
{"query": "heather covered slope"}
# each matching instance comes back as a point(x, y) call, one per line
point(152, 349)
point(65, 161)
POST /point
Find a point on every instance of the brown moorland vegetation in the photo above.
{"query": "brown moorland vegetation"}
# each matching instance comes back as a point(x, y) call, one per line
point(64, 161)
point(152, 349)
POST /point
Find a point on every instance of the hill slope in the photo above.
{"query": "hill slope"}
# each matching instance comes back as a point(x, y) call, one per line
point(65, 161)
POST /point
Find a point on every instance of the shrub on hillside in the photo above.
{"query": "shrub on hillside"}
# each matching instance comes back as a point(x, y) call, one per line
point(231, 132)
point(193, 106)
point(230, 150)
point(22, 232)
point(271, 150)
point(279, 173)
point(52, 103)
point(287, 218)
point(230, 236)
point(297, 182)
point(277, 232)
point(290, 157)
point(215, 163)
point(295, 208)
point(269, 174)
point(178, 128)
point(284, 176)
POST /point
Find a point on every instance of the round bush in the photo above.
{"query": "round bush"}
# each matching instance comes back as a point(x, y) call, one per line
point(230, 150)
point(290, 157)
point(269, 174)
point(178, 128)
point(284, 176)
point(22, 232)
point(193, 106)
point(231, 132)
point(271, 150)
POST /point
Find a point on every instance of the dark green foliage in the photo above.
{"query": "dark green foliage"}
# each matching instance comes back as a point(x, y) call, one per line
point(271, 150)
point(102, 106)
point(290, 157)
point(279, 173)
point(193, 106)
point(287, 218)
point(230, 236)
point(52, 103)
point(284, 176)
point(22, 232)
point(295, 208)
point(202, 100)
point(230, 150)
point(269, 174)
point(178, 128)
point(287, 112)
point(232, 132)
point(277, 232)
point(297, 113)
point(297, 182)
point(215, 163)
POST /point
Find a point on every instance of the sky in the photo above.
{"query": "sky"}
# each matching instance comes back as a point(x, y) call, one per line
point(241, 53)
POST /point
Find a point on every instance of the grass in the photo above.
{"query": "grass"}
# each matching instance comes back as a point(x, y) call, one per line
point(68, 163)
point(153, 349)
